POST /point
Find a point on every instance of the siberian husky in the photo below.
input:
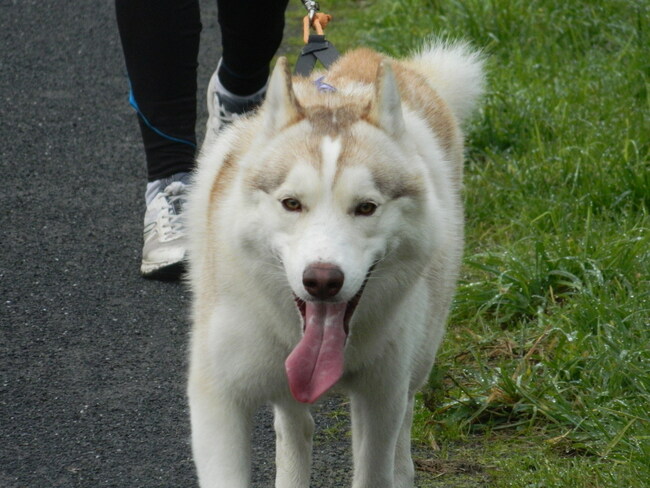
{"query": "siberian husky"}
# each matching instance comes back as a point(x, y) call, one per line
point(326, 233)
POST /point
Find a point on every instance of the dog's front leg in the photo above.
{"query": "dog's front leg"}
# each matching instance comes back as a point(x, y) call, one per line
point(377, 417)
point(404, 468)
point(294, 429)
point(221, 431)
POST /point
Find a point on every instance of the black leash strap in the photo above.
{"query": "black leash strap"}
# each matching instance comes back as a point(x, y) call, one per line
point(316, 49)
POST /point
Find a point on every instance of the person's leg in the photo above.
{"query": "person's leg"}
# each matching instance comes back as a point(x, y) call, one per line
point(251, 32)
point(160, 40)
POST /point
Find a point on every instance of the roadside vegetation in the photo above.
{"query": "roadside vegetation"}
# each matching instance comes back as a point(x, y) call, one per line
point(544, 377)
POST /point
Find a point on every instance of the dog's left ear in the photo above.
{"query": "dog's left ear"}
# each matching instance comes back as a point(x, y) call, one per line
point(386, 107)
point(280, 106)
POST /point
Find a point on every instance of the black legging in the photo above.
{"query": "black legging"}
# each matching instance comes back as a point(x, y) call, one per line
point(160, 40)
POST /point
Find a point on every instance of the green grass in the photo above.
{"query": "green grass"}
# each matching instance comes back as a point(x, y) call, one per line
point(544, 376)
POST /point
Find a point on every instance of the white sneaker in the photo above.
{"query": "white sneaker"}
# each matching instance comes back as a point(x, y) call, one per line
point(165, 244)
point(224, 107)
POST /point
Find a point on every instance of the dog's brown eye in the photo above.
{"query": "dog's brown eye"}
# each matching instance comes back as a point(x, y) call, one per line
point(292, 205)
point(365, 209)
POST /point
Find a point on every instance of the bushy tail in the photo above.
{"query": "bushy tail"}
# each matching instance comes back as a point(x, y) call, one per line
point(455, 71)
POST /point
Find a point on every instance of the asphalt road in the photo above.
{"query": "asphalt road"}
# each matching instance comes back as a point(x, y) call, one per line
point(92, 356)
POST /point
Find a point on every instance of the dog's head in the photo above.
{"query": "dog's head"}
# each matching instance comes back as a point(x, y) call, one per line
point(333, 193)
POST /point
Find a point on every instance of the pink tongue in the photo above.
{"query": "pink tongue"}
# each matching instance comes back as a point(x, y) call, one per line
point(316, 363)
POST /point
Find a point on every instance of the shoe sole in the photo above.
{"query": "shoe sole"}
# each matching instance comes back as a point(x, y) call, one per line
point(170, 272)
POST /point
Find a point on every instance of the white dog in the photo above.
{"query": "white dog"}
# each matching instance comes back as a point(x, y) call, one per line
point(326, 235)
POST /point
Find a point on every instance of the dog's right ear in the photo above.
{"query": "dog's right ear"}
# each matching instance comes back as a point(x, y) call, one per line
point(281, 108)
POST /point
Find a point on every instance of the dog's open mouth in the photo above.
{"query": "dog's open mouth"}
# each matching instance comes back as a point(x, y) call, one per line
point(316, 363)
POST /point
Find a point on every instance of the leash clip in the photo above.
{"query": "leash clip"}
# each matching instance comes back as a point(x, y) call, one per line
point(312, 7)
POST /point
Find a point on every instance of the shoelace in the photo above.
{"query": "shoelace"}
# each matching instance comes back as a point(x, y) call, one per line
point(172, 222)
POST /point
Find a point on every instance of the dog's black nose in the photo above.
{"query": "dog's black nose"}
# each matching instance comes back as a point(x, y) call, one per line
point(323, 280)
